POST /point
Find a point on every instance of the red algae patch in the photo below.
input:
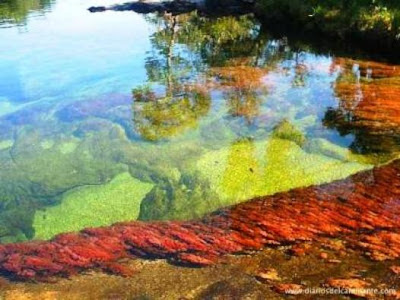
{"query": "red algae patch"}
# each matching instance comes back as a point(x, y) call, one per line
point(362, 210)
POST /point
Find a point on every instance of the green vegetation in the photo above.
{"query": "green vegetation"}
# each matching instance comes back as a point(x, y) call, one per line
point(364, 19)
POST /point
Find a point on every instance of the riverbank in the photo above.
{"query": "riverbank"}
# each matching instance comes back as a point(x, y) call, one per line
point(375, 24)
point(372, 25)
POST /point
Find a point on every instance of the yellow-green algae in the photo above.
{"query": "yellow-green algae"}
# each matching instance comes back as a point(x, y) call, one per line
point(248, 169)
point(97, 205)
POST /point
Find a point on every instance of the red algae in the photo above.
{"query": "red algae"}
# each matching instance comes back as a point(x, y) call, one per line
point(362, 210)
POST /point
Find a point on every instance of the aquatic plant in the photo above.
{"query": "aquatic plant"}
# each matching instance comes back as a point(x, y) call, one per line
point(361, 203)
point(6, 144)
point(242, 87)
point(87, 206)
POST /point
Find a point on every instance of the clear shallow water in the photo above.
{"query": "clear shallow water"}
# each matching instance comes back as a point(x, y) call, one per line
point(219, 113)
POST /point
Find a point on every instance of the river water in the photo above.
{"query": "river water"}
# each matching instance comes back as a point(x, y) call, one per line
point(118, 116)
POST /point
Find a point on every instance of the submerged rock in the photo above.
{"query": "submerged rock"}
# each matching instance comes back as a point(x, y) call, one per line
point(254, 168)
point(286, 131)
point(97, 205)
point(342, 208)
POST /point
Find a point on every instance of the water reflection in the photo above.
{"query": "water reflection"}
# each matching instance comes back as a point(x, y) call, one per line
point(243, 87)
point(160, 117)
point(219, 114)
point(16, 11)
point(368, 94)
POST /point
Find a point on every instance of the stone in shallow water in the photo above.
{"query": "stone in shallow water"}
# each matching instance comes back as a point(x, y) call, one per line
point(118, 200)
point(248, 169)
point(342, 209)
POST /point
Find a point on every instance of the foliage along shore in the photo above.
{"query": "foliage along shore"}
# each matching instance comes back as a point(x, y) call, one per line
point(373, 23)
point(363, 21)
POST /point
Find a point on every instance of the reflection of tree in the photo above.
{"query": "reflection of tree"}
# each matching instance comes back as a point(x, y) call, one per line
point(301, 71)
point(16, 11)
point(178, 93)
point(368, 94)
point(183, 48)
point(170, 115)
point(242, 86)
point(218, 40)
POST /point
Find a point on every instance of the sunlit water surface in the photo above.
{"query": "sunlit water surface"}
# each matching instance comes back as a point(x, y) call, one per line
point(116, 116)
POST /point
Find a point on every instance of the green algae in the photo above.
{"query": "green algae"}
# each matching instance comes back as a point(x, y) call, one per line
point(171, 115)
point(248, 168)
point(89, 206)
